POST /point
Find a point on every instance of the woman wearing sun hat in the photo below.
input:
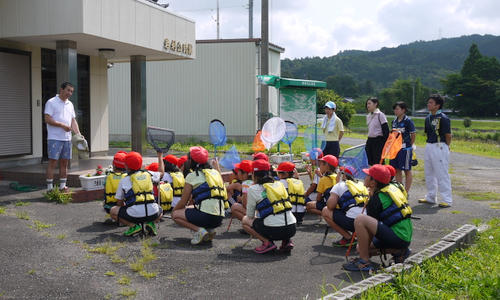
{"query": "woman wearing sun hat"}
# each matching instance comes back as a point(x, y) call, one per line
point(206, 187)
point(387, 224)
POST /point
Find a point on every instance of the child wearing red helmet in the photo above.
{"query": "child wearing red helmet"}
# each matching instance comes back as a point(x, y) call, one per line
point(206, 187)
point(111, 184)
point(387, 224)
point(328, 167)
point(275, 220)
point(239, 189)
point(295, 188)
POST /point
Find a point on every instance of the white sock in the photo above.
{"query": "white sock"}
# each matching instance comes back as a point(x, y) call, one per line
point(62, 183)
point(50, 184)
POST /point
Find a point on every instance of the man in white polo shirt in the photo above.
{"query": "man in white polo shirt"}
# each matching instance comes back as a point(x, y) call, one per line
point(59, 115)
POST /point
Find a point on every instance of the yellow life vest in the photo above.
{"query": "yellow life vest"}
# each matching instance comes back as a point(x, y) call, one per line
point(111, 185)
point(212, 188)
point(178, 182)
point(296, 191)
point(398, 210)
point(356, 195)
point(326, 193)
point(141, 191)
point(166, 196)
point(400, 187)
point(275, 200)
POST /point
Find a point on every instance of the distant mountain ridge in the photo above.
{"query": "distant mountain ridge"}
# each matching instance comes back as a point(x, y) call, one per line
point(429, 60)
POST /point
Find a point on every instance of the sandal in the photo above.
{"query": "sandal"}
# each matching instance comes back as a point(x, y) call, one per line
point(359, 265)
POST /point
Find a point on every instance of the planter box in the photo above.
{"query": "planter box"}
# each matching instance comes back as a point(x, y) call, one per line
point(279, 158)
point(92, 183)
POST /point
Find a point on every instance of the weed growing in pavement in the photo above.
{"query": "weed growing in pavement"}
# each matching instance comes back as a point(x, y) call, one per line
point(2, 210)
point(456, 212)
point(117, 259)
point(129, 293)
point(107, 248)
point(108, 297)
point(75, 242)
point(39, 226)
point(495, 206)
point(482, 196)
point(31, 272)
point(61, 236)
point(148, 275)
point(137, 265)
point(57, 196)
point(20, 203)
point(470, 273)
point(22, 215)
point(124, 280)
point(110, 273)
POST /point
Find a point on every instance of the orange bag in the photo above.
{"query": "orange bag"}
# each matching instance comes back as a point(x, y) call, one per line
point(258, 145)
point(392, 146)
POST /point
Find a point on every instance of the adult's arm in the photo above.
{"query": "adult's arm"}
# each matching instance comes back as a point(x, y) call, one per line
point(448, 139)
point(49, 120)
point(413, 135)
point(74, 126)
point(341, 134)
point(385, 130)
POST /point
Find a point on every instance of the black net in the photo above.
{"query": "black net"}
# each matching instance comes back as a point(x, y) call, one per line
point(160, 138)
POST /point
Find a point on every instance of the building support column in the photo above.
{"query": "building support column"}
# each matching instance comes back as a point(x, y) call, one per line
point(138, 102)
point(264, 63)
point(66, 71)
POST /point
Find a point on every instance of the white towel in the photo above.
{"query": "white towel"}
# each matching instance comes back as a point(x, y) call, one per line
point(331, 125)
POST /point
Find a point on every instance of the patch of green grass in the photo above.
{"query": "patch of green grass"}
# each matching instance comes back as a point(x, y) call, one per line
point(22, 215)
point(470, 273)
point(108, 297)
point(495, 206)
point(171, 277)
point(2, 210)
point(482, 196)
point(129, 293)
point(456, 212)
point(124, 280)
point(148, 275)
point(117, 259)
point(75, 242)
point(57, 196)
point(137, 265)
point(61, 236)
point(20, 203)
point(110, 273)
point(31, 272)
point(39, 226)
point(107, 248)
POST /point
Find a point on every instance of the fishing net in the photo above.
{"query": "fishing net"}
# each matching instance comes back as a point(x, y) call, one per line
point(160, 138)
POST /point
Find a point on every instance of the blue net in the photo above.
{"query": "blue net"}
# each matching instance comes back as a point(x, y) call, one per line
point(355, 157)
point(217, 132)
point(291, 133)
point(314, 138)
point(230, 158)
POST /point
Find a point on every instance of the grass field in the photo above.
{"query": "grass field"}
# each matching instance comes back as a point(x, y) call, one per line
point(358, 122)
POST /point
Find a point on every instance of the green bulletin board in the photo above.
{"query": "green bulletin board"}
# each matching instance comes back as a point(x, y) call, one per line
point(298, 105)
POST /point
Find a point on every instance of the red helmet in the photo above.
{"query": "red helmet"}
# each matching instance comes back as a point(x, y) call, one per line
point(171, 159)
point(133, 160)
point(152, 167)
point(391, 170)
point(119, 159)
point(182, 160)
point(346, 169)
point(244, 165)
point(199, 154)
point(331, 160)
point(286, 166)
point(260, 155)
point(261, 165)
point(379, 173)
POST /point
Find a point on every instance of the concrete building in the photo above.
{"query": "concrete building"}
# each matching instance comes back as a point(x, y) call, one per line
point(185, 96)
point(46, 42)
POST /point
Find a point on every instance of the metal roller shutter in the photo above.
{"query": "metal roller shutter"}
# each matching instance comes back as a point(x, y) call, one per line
point(15, 104)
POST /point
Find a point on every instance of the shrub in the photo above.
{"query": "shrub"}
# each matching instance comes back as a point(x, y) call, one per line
point(467, 122)
point(57, 196)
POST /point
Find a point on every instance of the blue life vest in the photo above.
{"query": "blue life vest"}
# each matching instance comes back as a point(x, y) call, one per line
point(356, 195)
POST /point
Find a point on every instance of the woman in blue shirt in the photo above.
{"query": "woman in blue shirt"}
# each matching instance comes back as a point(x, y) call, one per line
point(402, 162)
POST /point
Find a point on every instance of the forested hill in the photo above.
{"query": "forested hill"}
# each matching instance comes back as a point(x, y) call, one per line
point(431, 61)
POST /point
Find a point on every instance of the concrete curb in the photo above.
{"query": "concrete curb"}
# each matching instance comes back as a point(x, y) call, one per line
point(459, 238)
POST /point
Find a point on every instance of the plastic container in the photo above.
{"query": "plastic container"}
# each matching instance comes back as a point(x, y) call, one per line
point(92, 183)
point(279, 158)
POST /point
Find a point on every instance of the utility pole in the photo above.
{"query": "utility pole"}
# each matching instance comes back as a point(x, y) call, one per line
point(264, 60)
point(250, 19)
point(413, 99)
point(218, 24)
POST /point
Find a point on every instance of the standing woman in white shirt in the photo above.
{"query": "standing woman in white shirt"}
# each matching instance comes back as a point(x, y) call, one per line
point(378, 131)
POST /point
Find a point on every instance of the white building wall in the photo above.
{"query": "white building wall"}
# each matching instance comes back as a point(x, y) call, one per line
point(99, 118)
point(274, 69)
point(185, 95)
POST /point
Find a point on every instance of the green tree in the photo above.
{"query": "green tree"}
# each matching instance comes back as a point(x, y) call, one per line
point(343, 85)
point(402, 90)
point(344, 110)
point(475, 91)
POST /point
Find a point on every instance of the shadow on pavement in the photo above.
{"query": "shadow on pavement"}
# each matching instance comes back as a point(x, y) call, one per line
point(240, 254)
point(97, 227)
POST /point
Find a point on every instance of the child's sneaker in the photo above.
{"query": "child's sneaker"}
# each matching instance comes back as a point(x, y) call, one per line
point(199, 236)
point(210, 236)
point(265, 247)
point(133, 230)
point(286, 246)
point(151, 228)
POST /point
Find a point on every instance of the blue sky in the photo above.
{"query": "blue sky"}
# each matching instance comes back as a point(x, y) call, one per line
point(325, 27)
